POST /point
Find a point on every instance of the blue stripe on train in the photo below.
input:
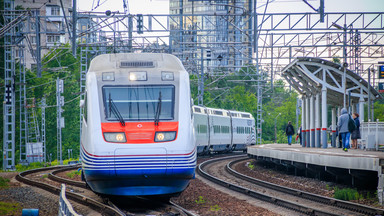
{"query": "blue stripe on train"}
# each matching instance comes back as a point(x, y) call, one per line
point(139, 182)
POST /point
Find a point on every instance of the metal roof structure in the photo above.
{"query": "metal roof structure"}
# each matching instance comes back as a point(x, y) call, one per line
point(308, 75)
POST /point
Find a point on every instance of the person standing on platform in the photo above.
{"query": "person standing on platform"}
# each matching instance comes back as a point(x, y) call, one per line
point(289, 131)
point(355, 133)
point(299, 134)
point(342, 125)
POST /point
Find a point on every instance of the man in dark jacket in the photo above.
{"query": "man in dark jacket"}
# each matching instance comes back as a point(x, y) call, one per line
point(289, 131)
point(342, 125)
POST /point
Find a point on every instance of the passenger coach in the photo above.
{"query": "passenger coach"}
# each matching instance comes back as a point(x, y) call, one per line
point(219, 130)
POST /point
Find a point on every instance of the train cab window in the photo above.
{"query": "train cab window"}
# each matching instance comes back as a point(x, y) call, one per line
point(245, 115)
point(139, 102)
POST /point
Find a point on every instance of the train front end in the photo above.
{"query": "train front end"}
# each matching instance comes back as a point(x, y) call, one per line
point(137, 136)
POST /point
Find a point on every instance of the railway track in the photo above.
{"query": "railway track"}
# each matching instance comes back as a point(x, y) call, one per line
point(300, 201)
point(105, 209)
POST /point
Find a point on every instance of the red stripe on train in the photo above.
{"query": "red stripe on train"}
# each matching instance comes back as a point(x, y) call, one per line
point(139, 132)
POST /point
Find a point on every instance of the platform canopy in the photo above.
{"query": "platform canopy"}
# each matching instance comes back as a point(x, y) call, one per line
point(309, 75)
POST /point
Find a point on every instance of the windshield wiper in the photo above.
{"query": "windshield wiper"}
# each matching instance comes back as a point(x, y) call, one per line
point(115, 111)
point(158, 111)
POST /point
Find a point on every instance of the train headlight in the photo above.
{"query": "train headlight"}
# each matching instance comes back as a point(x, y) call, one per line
point(138, 76)
point(165, 136)
point(115, 137)
point(166, 76)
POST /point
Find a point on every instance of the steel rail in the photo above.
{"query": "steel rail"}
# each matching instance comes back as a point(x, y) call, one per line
point(266, 198)
point(306, 195)
point(56, 178)
point(71, 195)
point(81, 184)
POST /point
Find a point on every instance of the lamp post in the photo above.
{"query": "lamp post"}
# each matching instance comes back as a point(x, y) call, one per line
point(275, 125)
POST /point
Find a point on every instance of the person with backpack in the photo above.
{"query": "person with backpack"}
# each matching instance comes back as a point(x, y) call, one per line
point(345, 125)
point(289, 130)
point(355, 134)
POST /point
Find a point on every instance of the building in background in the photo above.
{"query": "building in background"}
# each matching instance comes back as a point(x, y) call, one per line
point(220, 30)
point(52, 26)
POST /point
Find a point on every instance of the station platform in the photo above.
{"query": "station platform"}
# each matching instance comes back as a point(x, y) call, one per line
point(358, 164)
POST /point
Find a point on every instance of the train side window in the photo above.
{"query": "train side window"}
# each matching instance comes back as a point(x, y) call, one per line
point(203, 128)
point(216, 129)
point(197, 110)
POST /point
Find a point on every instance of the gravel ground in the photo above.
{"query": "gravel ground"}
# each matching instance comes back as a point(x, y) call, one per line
point(205, 200)
point(29, 197)
point(297, 182)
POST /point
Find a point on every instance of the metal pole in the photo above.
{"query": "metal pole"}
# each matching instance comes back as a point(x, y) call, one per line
point(303, 125)
point(59, 88)
point(74, 25)
point(345, 63)
point(38, 47)
point(369, 95)
point(201, 80)
point(275, 128)
point(43, 105)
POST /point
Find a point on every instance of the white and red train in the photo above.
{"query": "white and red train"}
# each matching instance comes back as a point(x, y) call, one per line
point(138, 136)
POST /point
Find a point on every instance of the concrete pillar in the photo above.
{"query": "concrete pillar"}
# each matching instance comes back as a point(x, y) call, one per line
point(361, 109)
point(333, 128)
point(324, 117)
point(312, 120)
point(303, 134)
point(307, 122)
point(317, 126)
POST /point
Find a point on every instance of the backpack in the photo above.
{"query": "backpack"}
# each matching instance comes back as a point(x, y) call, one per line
point(351, 124)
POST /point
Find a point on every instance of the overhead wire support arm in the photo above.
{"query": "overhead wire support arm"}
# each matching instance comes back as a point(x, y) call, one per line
point(320, 10)
point(306, 2)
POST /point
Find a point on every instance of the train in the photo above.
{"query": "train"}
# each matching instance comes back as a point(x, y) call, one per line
point(137, 130)
point(141, 133)
point(220, 130)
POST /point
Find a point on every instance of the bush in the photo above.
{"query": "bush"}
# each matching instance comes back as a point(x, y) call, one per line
point(34, 165)
point(346, 194)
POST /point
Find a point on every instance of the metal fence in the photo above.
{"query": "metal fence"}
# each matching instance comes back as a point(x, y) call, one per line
point(65, 208)
point(372, 135)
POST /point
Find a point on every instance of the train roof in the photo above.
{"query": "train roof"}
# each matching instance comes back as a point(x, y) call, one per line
point(162, 61)
point(221, 112)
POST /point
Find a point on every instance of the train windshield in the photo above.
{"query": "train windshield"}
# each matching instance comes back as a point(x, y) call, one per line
point(137, 103)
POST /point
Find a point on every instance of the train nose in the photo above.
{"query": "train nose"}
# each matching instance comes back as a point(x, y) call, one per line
point(137, 162)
